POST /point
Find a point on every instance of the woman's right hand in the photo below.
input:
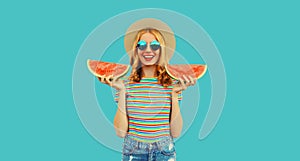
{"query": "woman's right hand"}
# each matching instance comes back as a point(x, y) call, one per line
point(114, 82)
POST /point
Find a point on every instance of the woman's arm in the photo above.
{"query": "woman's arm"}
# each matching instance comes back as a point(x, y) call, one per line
point(176, 118)
point(121, 120)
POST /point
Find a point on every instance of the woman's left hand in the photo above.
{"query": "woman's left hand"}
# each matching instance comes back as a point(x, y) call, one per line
point(183, 84)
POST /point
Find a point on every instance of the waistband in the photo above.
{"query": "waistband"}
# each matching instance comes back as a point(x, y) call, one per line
point(164, 141)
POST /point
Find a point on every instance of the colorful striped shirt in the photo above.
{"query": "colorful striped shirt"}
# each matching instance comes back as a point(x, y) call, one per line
point(148, 106)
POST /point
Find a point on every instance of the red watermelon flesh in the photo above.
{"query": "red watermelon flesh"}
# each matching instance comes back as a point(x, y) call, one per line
point(104, 69)
point(177, 71)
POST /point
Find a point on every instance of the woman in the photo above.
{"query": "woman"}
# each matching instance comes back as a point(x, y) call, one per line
point(148, 115)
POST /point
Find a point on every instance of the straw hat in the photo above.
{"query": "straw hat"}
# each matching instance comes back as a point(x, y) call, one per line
point(164, 29)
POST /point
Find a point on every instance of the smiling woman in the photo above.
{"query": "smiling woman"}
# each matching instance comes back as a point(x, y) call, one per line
point(148, 115)
point(149, 56)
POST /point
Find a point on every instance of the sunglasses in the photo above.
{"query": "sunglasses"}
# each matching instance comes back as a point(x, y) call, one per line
point(154, 45)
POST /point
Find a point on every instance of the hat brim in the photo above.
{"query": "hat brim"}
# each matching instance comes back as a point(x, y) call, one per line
point(162, 27)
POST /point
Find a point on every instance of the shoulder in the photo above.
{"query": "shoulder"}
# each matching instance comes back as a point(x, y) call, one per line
point(174, 81)
point(125, 80)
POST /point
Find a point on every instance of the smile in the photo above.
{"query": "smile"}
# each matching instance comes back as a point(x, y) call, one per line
point(148, 56)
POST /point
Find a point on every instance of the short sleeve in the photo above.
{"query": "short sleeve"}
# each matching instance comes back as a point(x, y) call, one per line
point(180, 93)
point(179, 96)
point(117, 92)
point(116, 95)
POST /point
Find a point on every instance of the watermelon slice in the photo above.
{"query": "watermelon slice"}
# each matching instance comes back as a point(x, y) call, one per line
point(103, 69)
point(177, 71)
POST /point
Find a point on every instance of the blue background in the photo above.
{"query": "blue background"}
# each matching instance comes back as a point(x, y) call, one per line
point(258, 42)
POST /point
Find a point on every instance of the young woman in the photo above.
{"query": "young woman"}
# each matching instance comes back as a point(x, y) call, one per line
point(148, 115)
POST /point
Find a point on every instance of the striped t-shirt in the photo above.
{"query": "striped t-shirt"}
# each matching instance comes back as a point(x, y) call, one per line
point(148, 109)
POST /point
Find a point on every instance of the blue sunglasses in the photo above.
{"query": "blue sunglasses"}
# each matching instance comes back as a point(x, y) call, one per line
point(154, 45)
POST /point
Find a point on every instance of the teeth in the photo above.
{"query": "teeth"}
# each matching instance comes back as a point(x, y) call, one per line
point(148, 56)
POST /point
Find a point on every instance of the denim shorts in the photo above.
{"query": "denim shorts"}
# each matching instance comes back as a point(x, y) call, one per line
point(163, 150)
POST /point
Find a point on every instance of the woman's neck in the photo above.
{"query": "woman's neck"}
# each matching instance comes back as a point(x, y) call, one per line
point(149, 71)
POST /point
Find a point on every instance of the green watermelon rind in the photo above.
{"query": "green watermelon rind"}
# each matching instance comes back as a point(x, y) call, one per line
point(204, 71)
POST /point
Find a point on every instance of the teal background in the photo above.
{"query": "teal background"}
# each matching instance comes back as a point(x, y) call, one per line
point(258, 42)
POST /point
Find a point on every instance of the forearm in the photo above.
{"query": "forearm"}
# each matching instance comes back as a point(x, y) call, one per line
point(176, 118)
point(121, 120)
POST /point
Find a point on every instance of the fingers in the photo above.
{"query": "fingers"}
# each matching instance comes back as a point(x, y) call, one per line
point(116, 78)
point(101, 79)
point(109, 80)
point(192, 80)
point(186, 80)
point(183, 85)
point(189, 80)
point(105, 80)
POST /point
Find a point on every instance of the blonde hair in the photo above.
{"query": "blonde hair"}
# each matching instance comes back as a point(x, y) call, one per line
point(136, 74)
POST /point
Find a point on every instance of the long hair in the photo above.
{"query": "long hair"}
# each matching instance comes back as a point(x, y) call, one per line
point(136, 74)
